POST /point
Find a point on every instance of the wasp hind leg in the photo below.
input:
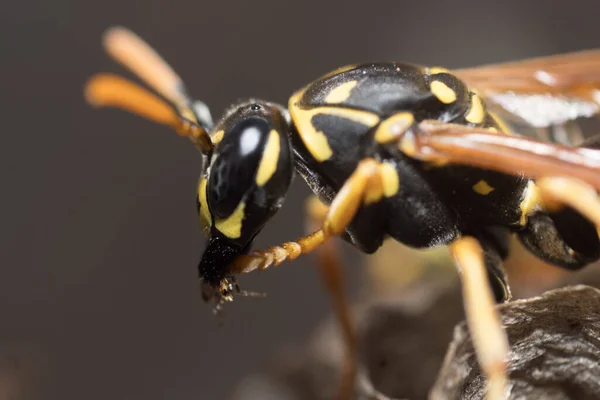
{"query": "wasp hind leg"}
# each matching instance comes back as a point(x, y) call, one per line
point(565, 237)
point(472, 257)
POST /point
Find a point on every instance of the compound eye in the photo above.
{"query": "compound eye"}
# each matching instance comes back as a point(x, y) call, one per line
point(237, 159)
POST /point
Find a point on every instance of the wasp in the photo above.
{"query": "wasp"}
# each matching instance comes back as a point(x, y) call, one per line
point(391, 150)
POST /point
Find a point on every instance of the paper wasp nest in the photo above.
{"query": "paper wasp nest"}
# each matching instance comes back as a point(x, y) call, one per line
point(413, 345)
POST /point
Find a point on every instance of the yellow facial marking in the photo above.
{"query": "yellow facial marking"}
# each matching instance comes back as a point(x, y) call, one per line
point(217, 137)
point(316, 141)
point(340, 93)
point(393, 127)
point(205, 217)
point(390, 180)
point(232, 225)
point(483, 188)
point(530, 202)
point(438, 70)
point(443, 92)
point(268, 162)
point(476, 114)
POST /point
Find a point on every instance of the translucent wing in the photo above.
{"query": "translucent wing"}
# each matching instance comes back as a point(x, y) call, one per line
point(542, 91)
point(441, 143)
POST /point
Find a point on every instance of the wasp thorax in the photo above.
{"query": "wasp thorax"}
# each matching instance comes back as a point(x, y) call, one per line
point(245, 183)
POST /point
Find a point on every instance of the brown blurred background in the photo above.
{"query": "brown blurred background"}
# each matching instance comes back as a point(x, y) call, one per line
point(100, 241)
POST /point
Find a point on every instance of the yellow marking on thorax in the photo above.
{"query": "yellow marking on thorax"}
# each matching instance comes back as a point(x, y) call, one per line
point(443, 92)
point(437, 70)
point(217, 137)
point(232, 225)
point(205, 217)
point(483, 188)
point(390, 179)
point(268, 162)
point(476, 114)
point(316, 141)
point(340, 93)
point(530, 202)
point(393, 127)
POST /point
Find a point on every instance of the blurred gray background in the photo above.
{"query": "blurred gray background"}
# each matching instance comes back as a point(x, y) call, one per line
point(100, 241)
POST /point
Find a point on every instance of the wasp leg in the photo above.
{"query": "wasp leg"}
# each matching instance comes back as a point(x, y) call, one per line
point(364, 186)
point(316, 212)
point(331, 270)
point(562, 226)
point(495, 244)
point(556, 192)
point(489, 339)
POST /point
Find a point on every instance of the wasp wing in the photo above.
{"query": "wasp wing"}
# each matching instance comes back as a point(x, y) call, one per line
point(544, 91)
point(441, 143)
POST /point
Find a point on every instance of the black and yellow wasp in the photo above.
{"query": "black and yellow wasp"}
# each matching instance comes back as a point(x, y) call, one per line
point(391, 150)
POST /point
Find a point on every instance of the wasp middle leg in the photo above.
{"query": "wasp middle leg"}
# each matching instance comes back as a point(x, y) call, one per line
point(363, 187)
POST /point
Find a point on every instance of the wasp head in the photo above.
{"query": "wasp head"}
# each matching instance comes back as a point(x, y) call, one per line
point(243, 184)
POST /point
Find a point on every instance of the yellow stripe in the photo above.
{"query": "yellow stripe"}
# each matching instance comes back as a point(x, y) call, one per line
point(340, 93)
point(232, 225)
point(394, 126)
point(443, 92)
point(391, 181)
point(205, 217)
point(438, 70)
point(316, 141)
point(476, 113)
point(268, 162)
point(530, 202)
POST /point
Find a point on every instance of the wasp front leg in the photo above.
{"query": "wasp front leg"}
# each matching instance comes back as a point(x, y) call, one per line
point(365, 186)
